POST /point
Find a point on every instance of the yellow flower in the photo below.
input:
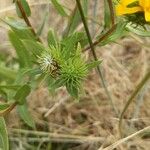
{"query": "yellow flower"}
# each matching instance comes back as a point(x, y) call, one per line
point(143, 6)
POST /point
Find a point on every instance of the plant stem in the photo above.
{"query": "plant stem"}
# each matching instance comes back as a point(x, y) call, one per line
point(103, 37)
point(26, 19)
point(121, 141)
point(94, 53)
point(8, 110)
point(113, 27)
point(131, 98)
point(94, 16)
point(110, 3)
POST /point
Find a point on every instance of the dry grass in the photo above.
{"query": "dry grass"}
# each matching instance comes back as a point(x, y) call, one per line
point(90, 122)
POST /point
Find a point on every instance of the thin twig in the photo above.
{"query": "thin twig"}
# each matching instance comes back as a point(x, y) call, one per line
point(121, 141)
point(110, 3)
point(26, 19)
point(94, 53)
point(103, 37)
point(94, 16)
point(134, 94)
point(8, 110)
point(110, 31)
point(56, 105)
point(56, 136)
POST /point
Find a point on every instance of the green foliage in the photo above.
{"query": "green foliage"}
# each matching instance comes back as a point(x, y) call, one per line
point(75, 19)
point(23, 54)
point(107, 13)
point(25, 115)
point(119, 32)
point(22, 93)
point(25, 6)
point(139, 30)
point(59, 8)
point(60, 63)
point(73, 69)
point(64, 62)
point(52, 38)
point(4, 144)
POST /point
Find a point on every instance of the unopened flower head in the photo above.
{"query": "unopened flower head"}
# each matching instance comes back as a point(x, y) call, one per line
point(46, 62)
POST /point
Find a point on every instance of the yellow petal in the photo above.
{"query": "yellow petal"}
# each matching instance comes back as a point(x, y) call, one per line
point(127, 2)
point(144, 3)
point(121, 10)
point(147, 16)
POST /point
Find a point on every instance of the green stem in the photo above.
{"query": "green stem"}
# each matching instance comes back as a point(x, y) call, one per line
point(26, 19)
point(131, 98)
point(8, 110)
point(110, 31)
point(103, 37)
point(110, 3)
point(94, 53)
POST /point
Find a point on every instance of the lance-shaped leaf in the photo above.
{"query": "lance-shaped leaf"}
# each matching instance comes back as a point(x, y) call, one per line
point(25, 6)
point(26, 116)
point(59, 8)
point(22, 93)
point(4, 144)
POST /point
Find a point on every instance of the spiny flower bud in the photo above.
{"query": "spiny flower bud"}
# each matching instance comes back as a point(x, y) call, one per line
point(48, 64)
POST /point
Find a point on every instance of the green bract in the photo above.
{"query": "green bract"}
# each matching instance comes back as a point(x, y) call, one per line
point(68, 71)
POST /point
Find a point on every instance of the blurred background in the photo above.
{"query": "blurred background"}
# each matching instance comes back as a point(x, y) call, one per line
point(91, 122)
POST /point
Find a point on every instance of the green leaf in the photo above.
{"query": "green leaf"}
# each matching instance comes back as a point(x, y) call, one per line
point(25, 115)
point(40, 30)
point(71, 42)
point(22, 93)
point(9, 87)
point(119, 32)
point(34, 47)
point(20, 28)
point(75, 19)
point(58, 83)
point(23, 54)
point(138, 30)
point(25, 7)
point(4, 144)
point(7, 73)
point(13, 23)
point(59, 8)
point(73, 90)
point(51, 38)
point(93, 64)
point(107, 17)
point(4, 106)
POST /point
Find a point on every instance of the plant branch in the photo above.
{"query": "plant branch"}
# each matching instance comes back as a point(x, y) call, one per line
point(93, 52)
point(121, 141)
point(26, 19)
point(131, 98)
point(110, 31)
point(110, 3)
point(8, 110)
point(103, 37)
